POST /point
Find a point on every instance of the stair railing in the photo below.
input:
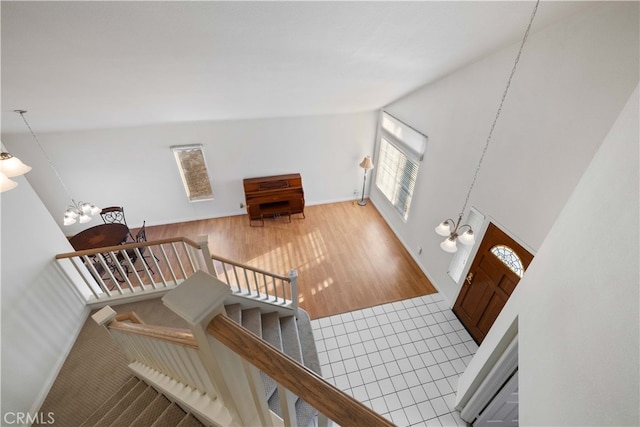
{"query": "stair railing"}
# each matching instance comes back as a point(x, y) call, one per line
point(252, 282)
point(125, 272)
point(167, 359)
point(235, 356)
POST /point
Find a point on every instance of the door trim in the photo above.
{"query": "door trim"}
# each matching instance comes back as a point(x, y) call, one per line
point(501, 371)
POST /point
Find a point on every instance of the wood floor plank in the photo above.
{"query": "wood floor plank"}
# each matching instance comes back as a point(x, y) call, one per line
point(346, 255)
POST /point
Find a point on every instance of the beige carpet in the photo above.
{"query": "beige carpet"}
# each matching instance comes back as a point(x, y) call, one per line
point(96, 368)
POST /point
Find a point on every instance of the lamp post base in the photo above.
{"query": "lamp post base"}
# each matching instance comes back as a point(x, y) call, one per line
point(362, 202)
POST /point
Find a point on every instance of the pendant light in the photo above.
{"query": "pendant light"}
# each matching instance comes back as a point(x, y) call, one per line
point(455, 231)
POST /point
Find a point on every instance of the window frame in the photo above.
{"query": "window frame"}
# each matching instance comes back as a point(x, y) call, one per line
point(200, 173)
point(402, 166)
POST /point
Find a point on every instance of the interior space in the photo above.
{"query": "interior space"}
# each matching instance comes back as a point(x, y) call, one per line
point(447, 191)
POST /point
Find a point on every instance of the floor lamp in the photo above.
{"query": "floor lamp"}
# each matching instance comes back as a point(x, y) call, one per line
point(365, 164)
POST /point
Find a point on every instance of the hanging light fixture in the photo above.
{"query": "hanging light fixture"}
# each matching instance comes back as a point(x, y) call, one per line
point(455, 231)
point(76, 212)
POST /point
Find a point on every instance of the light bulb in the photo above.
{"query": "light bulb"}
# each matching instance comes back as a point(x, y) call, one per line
point(84, 218)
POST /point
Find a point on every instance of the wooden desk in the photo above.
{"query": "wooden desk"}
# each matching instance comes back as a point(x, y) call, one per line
point(272, 196)
point(100, 236)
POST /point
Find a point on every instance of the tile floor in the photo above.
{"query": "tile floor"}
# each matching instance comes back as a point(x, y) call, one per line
point(402, 359)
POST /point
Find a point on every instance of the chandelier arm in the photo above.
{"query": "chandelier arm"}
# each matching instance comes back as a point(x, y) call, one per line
point(495, 120)
point(465, 225)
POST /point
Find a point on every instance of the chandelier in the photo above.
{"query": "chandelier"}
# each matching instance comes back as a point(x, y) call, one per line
point(455, 231)
point(76, 212)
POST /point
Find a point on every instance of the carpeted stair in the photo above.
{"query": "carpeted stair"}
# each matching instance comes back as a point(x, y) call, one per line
point(139, 405)
point(291, 336)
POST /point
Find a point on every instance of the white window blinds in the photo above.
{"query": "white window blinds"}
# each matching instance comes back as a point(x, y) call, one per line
point(401, 148)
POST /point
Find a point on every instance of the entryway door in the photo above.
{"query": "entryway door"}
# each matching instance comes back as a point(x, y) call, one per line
point(494, 274)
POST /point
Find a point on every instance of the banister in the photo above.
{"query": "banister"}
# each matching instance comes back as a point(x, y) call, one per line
point(128, 246)
point(130, 316)
point(173, 335)
point(248, 267)
point(326, 398)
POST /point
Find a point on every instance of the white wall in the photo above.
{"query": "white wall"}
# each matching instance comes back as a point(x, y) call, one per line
point(135, 168)
point(41, 315)
point(576, 309)
point(571, 83)
point(579, 328)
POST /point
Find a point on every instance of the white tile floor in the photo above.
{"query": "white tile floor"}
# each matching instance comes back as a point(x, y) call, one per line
point(401, 359)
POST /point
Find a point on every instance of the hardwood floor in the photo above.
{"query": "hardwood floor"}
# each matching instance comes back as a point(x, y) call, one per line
point(347, 257)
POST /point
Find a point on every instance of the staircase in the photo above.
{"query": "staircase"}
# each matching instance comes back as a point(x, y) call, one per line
point(284, 334)
point(137, 404)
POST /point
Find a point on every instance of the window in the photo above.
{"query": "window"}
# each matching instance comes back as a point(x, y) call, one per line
point(193, 171)
point(401, 148)
point(509, 258)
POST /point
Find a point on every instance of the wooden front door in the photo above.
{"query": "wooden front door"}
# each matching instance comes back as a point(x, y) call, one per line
point(494, 274)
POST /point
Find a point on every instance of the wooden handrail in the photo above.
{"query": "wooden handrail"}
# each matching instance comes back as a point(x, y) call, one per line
point(326, 398)
point(130, 316)
point(173, 335)
point(248, 267)
point(117, 248)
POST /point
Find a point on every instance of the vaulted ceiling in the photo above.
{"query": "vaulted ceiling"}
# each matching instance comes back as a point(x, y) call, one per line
point(103, 64)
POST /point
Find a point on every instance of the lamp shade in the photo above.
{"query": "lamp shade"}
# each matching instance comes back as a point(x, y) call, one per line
point(12, 166)
point(444, 229)
point(6, 184)
point(68, 219)
point(366, 163)
point(449, 245)
point(467, 238)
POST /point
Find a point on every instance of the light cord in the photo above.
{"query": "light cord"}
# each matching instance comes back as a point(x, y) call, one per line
point(22, 112)
point(495, 120)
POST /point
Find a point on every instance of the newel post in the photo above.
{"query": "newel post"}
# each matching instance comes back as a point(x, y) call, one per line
point(198, 300)
point(203, 242)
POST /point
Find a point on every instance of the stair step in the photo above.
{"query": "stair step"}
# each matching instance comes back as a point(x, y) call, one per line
point(151, 412)
point(290, 338)
point(234, 312)
point(171, 417)
point(138, 405)
point(114, 412)
point(271, 333)
point(111, 402)
point(189, 421)
point(271, 329)
point(252, 320)
point(308, 343)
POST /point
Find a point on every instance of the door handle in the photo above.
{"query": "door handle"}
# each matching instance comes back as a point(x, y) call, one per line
point(470, 277)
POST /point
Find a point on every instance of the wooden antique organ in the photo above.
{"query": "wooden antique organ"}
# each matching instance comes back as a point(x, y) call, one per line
point(273, 196)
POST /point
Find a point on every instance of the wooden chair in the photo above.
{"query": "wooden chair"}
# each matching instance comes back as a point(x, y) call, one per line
point(141, 236)
point(115, 214)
